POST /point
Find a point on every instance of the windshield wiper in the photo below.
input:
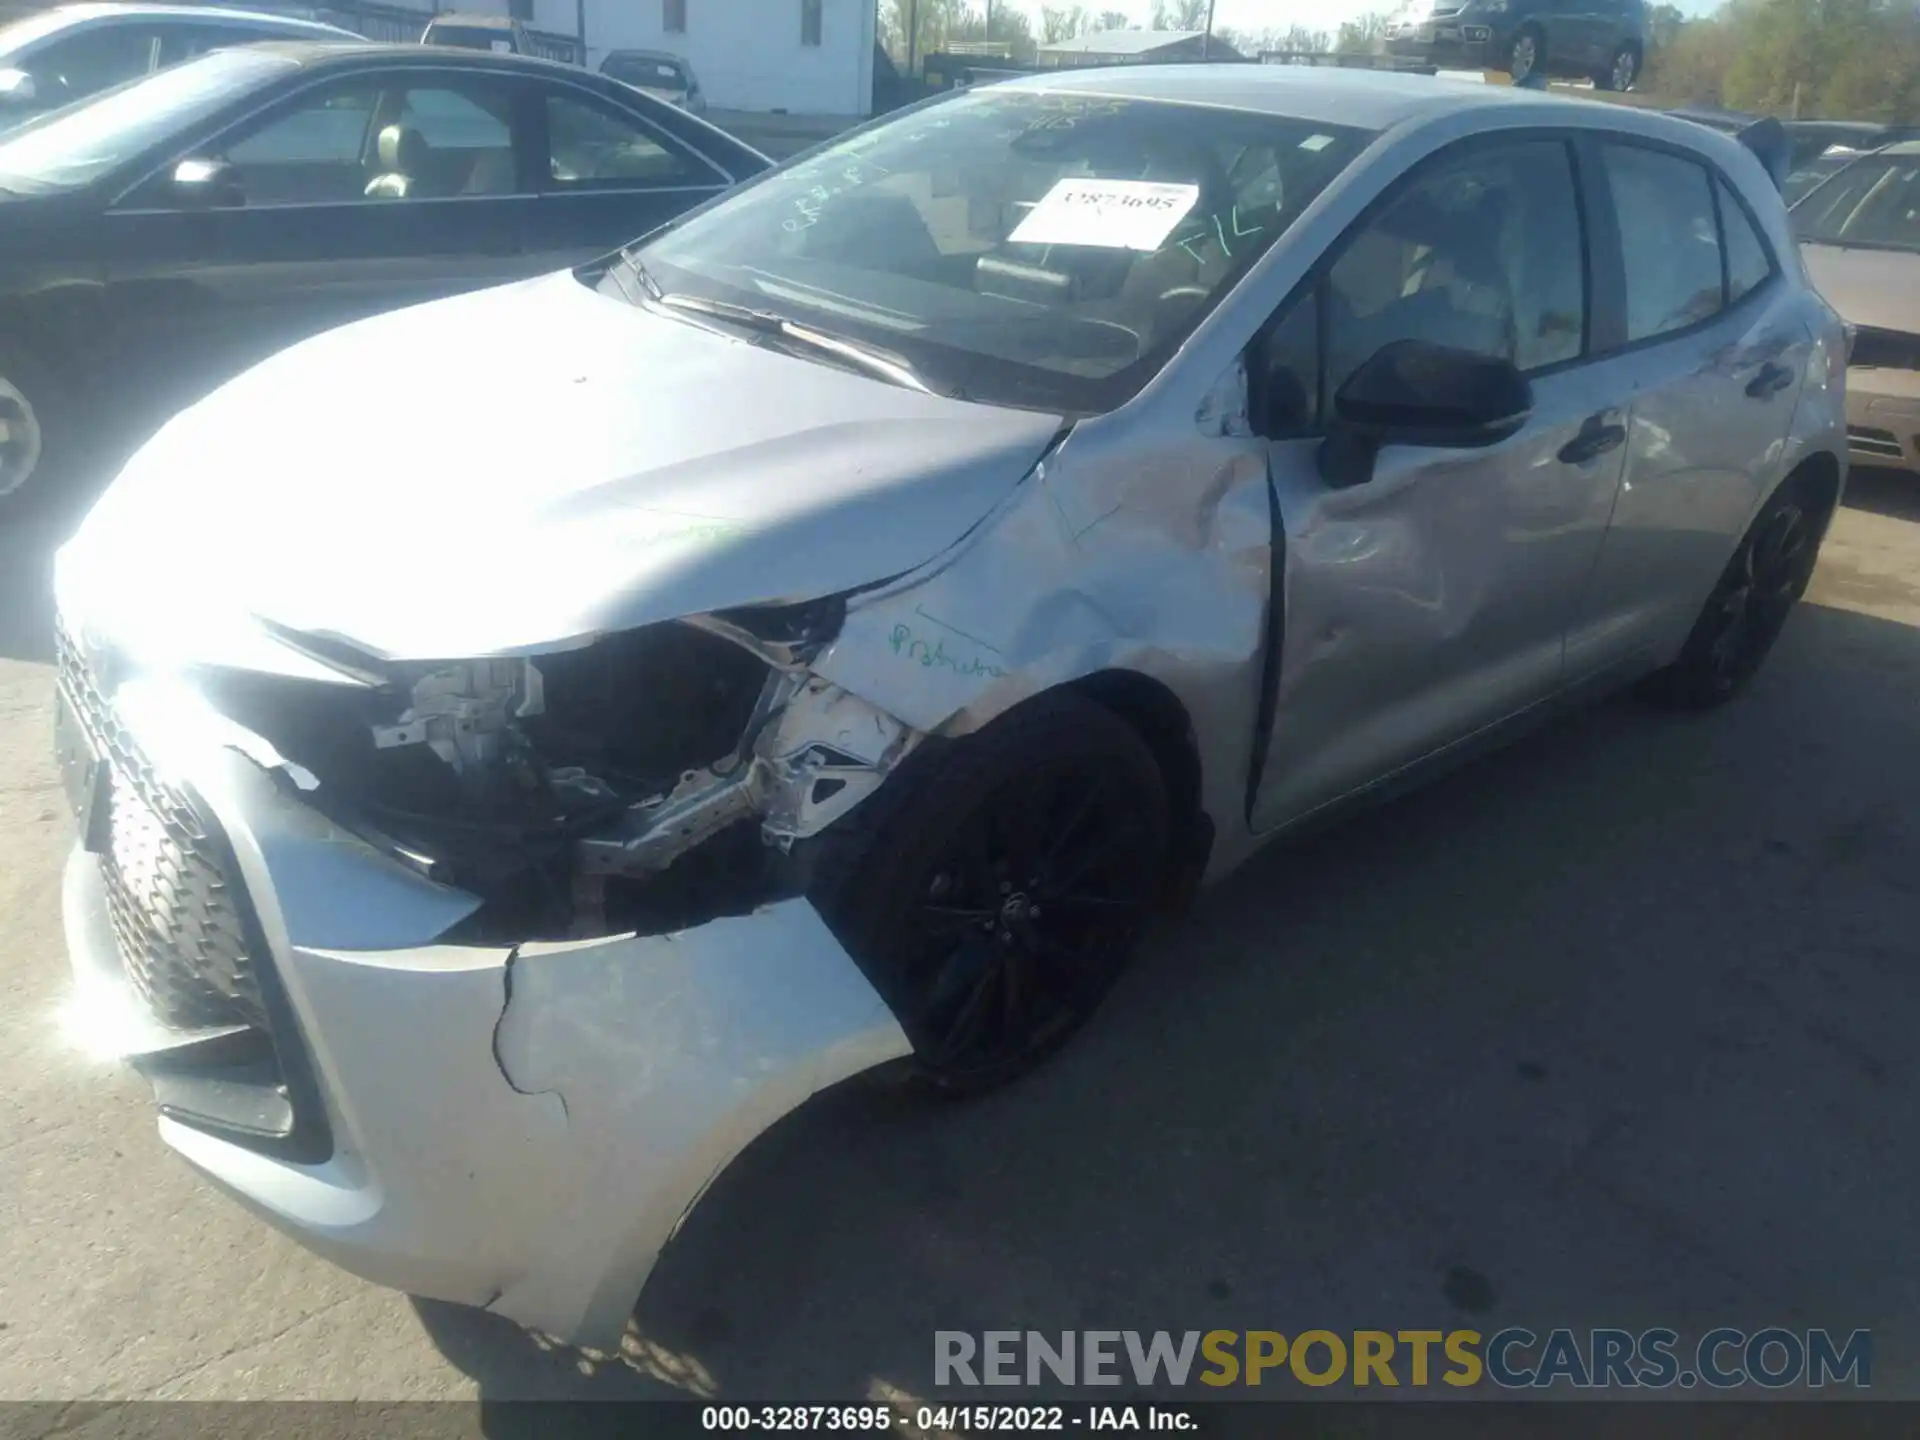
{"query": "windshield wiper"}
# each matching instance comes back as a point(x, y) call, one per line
point(883, 364)
point(630, 259)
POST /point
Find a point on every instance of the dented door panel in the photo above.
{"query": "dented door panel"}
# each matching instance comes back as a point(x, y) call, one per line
point(1433, 600)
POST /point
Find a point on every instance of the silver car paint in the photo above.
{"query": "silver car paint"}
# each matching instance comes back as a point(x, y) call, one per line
point(1387, 616)
point(1433, 600)
point(607, 469)
point(588, 1091)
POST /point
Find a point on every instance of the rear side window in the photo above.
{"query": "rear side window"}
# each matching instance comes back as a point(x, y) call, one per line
point(1748, 264)
point(1669, 240)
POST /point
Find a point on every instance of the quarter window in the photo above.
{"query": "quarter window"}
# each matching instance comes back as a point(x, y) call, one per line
point(1669, 242)
point(1748, 265)
point(594, 148)
point(1481, 253)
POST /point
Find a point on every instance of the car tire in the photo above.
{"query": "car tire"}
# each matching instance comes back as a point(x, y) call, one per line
point(994, 889)
point(1749, 605)
point(1527, 54)
point(33, 433)
point(1622, 72)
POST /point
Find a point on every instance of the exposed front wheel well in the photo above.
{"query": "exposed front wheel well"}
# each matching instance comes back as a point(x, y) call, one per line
point(1160, 719)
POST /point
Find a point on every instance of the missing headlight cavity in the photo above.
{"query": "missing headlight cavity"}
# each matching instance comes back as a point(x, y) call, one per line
point(649, 781)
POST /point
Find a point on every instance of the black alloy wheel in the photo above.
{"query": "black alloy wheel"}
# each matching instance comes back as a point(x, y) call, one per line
point(1002, 893)
point(1749, 607)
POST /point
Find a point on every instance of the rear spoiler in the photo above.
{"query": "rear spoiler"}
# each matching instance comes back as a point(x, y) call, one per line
point(1766, 137)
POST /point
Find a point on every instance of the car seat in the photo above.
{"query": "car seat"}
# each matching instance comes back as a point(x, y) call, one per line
point(403, 159)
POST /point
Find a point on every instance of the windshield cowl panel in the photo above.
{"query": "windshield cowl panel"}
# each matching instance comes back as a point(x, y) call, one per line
point(1040, 251)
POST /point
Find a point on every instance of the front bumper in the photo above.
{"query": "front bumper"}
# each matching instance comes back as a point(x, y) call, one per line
point(520, 1129)
point(1449, 45)
point(1883, 417)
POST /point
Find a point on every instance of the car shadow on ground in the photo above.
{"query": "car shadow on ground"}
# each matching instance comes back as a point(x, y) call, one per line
point(1893, 493)
point(1609, 1029)
point(27, 545)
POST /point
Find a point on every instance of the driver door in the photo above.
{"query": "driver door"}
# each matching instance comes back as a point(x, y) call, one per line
point(1431, 602)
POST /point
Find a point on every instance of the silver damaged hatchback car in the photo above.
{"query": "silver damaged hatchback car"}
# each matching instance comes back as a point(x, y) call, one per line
point(526, 744)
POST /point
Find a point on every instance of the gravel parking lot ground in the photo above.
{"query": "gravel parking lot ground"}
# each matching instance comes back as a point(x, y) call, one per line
point(1615, 1028)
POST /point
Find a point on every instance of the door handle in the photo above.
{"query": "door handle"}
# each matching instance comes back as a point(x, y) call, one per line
point(1597, 436)
point(1772, 378)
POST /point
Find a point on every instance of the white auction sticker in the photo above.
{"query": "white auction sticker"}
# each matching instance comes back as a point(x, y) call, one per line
point(1115, 214)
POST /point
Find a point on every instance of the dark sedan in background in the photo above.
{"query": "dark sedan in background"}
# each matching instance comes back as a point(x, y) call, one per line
point(163, 236)
point(58, 56)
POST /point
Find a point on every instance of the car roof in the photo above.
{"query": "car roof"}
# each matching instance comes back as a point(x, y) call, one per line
point(89, 10)
point(316, 55)
point(1337, 95)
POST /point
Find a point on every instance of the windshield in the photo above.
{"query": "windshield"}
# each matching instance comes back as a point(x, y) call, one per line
point(1021, 248)
point(636, 70)
point(1803, 179)
point(21, 33)
point(75, 145)
point(1873, 203)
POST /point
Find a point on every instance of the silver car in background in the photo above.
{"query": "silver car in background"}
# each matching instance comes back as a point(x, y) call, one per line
point(821, 635)
point(1859, 234)
point(69, 52)
point(665, 77)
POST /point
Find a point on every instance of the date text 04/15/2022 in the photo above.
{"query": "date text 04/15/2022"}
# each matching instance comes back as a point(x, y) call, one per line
point(935, 1419)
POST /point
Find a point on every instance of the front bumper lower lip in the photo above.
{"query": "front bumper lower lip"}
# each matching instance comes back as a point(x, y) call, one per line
point(1883, 417)
point(520, 1129)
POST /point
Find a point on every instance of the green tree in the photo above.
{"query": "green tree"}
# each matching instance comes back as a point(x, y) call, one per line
point(1362, 36)
point(1062, 22)
point(1837, 59)
point(1179, 14)
point(934, 21)
point(1112, 20)
point(998, 21)
point(1664, 23)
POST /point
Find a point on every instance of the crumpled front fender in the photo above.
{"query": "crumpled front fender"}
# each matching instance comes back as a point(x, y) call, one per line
point(518, 1128)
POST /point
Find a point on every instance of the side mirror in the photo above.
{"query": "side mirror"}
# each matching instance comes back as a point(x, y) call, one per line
point(17, 88)
point(1414, 393)
point(207, 185)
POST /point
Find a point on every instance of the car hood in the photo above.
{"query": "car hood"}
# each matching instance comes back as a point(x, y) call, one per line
point(1880, 288)
point(522, 469)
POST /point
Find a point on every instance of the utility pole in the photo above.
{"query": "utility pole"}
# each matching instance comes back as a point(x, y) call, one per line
point(1206, 40)
point(913, 34)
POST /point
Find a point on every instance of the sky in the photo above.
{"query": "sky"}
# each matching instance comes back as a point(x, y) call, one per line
point(1259, 15)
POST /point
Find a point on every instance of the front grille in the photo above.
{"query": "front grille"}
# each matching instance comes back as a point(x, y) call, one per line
point(1884, 349)
point(1869, 441)
point(174, 907)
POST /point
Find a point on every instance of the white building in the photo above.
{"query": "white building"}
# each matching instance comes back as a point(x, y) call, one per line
point(801, 57)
